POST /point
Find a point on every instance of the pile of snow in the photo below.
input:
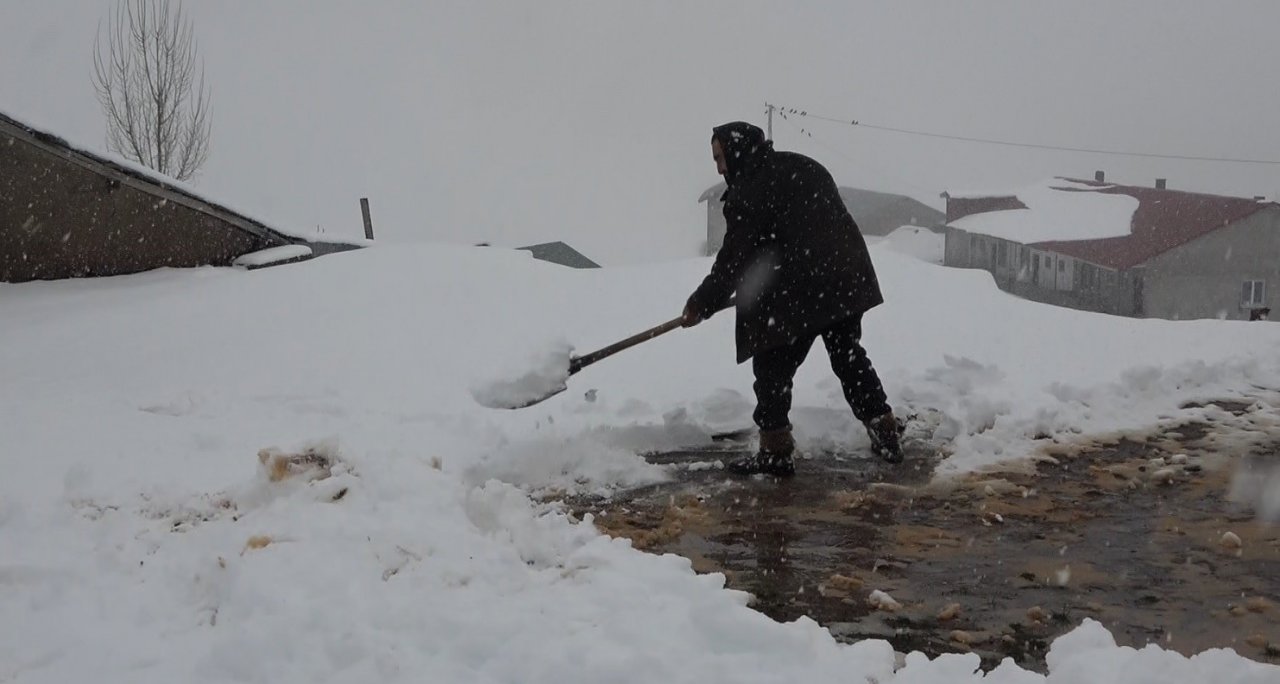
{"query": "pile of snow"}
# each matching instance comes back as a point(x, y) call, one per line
point(280, 474)
point(272, 255)
point(921, 243)
point(546, 374)
point(1057, 209)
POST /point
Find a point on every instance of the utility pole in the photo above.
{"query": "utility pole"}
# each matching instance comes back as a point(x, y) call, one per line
point(368, 222)
point(770, 108)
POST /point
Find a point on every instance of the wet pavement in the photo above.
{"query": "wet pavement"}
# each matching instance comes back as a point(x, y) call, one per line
point(1137, 532)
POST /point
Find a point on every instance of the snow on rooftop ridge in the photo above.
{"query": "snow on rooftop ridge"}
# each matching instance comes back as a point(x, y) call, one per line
point(1058, 182)
point(1057, 209)
point(113, 158)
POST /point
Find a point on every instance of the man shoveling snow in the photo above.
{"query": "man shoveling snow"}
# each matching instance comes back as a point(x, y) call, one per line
point(797, 268)
point(800, 269)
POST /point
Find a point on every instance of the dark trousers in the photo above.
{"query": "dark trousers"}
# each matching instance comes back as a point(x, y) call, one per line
point(775, 371)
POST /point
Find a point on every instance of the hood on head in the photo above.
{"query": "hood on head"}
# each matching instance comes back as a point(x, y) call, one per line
point(744, 145)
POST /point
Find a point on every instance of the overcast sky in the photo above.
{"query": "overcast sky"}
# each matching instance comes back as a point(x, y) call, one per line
point(519, 122)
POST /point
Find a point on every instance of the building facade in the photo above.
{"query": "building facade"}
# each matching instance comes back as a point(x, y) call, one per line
point(66, 212)
point(1185, 255)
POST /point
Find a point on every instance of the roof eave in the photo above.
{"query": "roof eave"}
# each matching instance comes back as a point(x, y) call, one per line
point(152, 185)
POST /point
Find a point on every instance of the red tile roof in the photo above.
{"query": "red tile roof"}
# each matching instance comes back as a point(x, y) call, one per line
point(1163, 220)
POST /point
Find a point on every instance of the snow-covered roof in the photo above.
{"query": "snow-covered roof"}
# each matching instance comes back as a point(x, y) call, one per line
point(1057, 182)
point(1056, 209)
point(1118, 226)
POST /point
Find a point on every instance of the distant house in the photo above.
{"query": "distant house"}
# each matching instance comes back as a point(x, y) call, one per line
point(881, 213)
point(66, 212)
point(1120, 249)
point(877, 213)
point(560, 253)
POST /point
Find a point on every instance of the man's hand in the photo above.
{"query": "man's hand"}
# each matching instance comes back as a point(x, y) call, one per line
point(690, 317)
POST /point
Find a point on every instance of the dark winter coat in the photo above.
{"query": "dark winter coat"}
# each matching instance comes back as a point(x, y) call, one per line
point(792, 253)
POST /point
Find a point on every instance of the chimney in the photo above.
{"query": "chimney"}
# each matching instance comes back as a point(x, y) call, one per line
point(1160, 184)
point(1099, 176)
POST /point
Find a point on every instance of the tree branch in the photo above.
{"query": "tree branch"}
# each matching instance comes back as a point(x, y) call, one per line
point(144, 76)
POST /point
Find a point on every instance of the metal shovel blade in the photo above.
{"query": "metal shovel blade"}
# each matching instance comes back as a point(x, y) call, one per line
point(538, 400)
point(577, 363)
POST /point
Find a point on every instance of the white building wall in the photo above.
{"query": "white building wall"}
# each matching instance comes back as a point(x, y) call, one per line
point(1204, 278)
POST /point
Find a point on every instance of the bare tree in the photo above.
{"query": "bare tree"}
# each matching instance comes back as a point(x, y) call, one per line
point(156, 103)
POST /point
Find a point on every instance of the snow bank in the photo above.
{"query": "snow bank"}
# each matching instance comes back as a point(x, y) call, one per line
point(921, 243)
point(145, 540)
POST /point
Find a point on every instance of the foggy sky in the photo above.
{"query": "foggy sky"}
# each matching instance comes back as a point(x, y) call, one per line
point(520, 122)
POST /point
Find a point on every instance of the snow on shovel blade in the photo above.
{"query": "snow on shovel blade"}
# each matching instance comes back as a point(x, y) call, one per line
point(551, 374)
point(535, 400)
point(548, 377)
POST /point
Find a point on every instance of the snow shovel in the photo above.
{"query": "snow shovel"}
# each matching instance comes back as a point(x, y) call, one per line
point(550, 385)
point(552, 377)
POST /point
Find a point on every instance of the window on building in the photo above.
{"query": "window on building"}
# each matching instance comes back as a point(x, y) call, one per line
point(1062, 266)
point(1048, 262)
point(1253, 294)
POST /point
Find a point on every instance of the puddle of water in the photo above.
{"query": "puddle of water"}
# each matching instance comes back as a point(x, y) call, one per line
point(1018, 557)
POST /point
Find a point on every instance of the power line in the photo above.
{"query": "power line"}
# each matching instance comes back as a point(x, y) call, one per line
point(785, 111)
point(879, 167)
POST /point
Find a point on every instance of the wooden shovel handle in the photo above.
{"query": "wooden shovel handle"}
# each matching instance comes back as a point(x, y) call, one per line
point(577, 363)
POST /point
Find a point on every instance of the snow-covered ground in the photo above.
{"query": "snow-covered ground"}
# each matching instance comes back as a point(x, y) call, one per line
point(143, 539)
point(921, 243)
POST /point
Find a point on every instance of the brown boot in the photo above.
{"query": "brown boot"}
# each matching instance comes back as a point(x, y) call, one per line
point(885, 433)
point(773, 458)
